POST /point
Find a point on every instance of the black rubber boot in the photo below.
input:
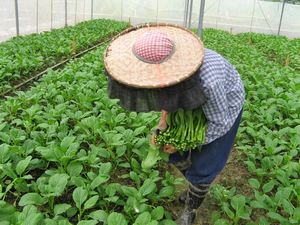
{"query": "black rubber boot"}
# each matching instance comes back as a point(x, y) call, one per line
point(183, 196)
point(195, 197)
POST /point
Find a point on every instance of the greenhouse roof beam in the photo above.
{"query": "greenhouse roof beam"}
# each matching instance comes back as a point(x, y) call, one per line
point(201, 16)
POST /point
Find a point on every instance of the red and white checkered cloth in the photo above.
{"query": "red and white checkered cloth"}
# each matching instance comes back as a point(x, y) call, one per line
point(153, 47)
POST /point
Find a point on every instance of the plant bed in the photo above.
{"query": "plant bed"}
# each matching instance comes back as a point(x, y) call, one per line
point(22, 57)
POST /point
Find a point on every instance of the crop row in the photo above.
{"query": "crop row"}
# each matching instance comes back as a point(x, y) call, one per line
point(269, 136)
point(69, 154)
point(22, 56)
point(276, 48)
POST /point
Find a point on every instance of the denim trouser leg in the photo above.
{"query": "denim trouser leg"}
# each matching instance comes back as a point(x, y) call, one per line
point(207, 163)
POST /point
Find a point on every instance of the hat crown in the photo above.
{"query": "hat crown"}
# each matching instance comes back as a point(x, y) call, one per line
point(153, 47)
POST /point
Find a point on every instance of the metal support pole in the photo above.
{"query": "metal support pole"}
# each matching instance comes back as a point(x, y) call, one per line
point(156, 10)
point(190, 13)
point(51, 19)
point(92, 9)
point(66, 13)
point(121, 10)
point(37, 16)
point(17, 17)
point(186, 9)
point(201, 16)
point(218, 11)
point(253, 10)
point(283, 4)
point(76, 12)
point(83, 10)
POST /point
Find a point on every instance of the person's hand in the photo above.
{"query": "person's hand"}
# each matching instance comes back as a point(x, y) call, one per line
point(154, 134)
point(162, 125)
point(170, 149)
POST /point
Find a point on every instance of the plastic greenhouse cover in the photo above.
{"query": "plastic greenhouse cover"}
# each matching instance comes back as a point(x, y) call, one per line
point(232, 15)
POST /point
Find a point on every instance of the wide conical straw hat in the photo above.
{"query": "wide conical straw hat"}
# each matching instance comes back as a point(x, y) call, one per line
point(124, 66)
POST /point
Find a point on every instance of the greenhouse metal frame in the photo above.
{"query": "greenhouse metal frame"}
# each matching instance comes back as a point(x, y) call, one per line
point(192, 16)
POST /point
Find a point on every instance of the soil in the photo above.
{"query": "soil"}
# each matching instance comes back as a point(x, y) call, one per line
point(235, 174)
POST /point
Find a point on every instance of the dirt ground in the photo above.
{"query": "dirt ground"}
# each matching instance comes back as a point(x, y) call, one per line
point(234, 174)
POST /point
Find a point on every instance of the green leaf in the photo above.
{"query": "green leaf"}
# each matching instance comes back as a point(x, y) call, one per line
point(30, 216)
point(263, 221)
point(134, 177)
point(47, 152)
point(99, 215)
point(124, 165)
point(158, 213)
point(61, 208)
point(153, 223)
point(116, 219)
point(238, 202)
point(244, 213)
point(254, 183)
point(129, 191)
point(139, 130)
point(72, 212)
point(74, 168)
point(6, 211)
point(105, 168)
point(78, 181)
point(7, 169)
point(91, 202)
point(58, 183)
point(143, 219)
point(120, 117)
point(120, 150)
point(296, 215)
point(31, 199)
point(148, 187)
point(287, 206)
point(48, 221)
point(151, 159)
point(277, 217)
point(168, 222)
point(112, 188)
point(166, 192)
point(29, 146)
point(22, 165)
point(228, 211)
point(258, 204)
point(222, 222)
point(88, 222)
point(60, 221)
point(98, 180)
point(79, 196)
point(103, 152)
point(135, 164)
point(4, 153)
point(66, 142)
point(269, 186)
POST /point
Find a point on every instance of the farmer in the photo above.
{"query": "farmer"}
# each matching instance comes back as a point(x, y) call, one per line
point(164, 67)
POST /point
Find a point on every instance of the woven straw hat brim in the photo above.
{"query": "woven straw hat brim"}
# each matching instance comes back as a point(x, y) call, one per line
point(123, 66)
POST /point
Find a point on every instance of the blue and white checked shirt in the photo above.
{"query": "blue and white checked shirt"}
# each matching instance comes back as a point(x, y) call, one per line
point(225, 94)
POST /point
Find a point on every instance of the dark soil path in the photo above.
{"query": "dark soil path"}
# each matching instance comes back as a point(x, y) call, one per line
point(234, 174)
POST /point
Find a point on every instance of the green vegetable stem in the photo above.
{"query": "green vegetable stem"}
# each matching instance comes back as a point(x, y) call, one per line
point(186, 129)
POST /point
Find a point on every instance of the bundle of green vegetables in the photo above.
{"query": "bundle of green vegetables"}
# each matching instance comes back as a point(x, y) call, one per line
point(185, 131)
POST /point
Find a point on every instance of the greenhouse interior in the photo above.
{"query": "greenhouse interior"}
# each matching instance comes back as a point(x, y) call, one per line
point(157, 112)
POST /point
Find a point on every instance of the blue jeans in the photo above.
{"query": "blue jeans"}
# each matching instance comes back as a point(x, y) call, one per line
point(208, 162)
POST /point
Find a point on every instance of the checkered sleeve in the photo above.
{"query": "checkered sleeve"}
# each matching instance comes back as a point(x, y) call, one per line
point(216, 110)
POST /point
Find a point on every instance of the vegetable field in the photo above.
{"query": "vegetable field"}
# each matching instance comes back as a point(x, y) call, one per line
point(71, 155)
point(270, 129)
point(23, 56)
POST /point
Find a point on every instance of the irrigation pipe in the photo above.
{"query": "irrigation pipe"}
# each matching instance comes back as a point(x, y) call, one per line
point(54, 67)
